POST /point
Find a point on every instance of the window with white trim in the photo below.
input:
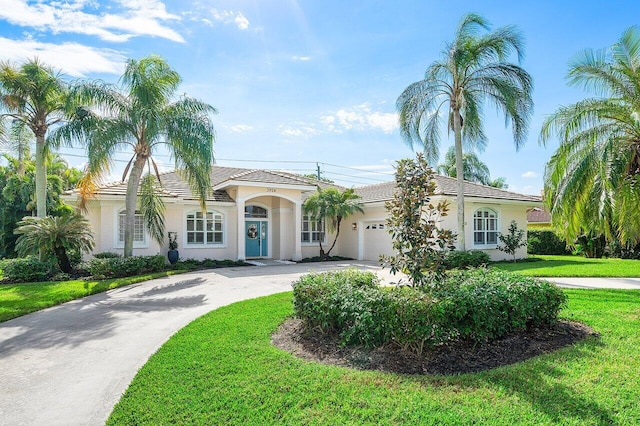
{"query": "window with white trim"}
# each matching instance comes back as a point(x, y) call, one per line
point(485, 227)
point(138, 227)
point(312, 230)
point(205, 228)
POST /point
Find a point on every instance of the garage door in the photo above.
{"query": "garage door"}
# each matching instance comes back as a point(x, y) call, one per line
point(376, 240)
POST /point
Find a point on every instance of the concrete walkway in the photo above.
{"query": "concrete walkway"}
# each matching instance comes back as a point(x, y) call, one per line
point(69, 365)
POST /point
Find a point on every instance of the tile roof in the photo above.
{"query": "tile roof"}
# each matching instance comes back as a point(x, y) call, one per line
point(445, 186)
point(538, 215)
point(221, 174)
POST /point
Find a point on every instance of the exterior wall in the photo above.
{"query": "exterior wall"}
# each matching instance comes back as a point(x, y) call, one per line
point(506, 213)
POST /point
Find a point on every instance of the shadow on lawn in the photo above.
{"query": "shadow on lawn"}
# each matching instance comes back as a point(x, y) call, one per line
point(541, 384)
point(553, 263)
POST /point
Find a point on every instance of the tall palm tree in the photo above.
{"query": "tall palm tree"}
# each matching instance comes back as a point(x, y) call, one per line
point(592, 182)
point(142, 115)
point(474, 169)
point(474, 69)
point(34, 94)
point(331, 206)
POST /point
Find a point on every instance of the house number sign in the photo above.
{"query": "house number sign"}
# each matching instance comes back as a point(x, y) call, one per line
point(271, 190)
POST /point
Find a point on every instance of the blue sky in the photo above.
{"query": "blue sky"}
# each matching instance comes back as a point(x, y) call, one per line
point(303, 82)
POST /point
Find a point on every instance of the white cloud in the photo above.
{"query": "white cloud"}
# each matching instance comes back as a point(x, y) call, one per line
point(241, 128)
point(529, 174)
point(299, 130)
point(133, 18)
point(72, 58)
point(301, 58)
point(360, 117)
point(230, 17)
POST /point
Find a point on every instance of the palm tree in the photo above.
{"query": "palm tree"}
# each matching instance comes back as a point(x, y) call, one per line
point(474, 169)
point(331, 206)
point(474, 70)
point(592, 181)
point(55, 235)
point(499, 182)
point(142, 115)
point(17, 140)
point(34, 94)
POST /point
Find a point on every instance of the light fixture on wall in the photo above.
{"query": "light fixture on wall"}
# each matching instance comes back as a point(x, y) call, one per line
point(354, 226)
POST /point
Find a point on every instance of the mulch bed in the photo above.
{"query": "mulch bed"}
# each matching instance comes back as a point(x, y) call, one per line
point(453, 358)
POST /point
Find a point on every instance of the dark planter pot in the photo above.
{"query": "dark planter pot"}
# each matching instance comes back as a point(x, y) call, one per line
point(173, 256)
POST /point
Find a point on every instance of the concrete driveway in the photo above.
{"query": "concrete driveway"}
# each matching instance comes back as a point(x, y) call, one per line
point(69, 365)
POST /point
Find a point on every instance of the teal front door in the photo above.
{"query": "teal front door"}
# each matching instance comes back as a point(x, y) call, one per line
point(256, 238)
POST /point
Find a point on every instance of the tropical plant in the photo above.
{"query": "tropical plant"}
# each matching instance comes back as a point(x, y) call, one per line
point(55, 236)
point(35, 95)
point(331, 206)
point(592, 181)
point(499, 182)
point(474, 169)
point(512, 240)
point(421, 245)
point(142, 115)
point(16, 139)
point(474, 70)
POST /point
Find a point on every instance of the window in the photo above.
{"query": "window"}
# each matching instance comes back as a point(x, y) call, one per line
point(138, 227)
point(312, 230)
point(255, 212)
point(204, 228)
point(485, 227)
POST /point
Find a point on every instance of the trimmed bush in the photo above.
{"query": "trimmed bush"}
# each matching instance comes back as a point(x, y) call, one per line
point(107, 255)
point(472, 305)
point(545, 242)
point(460, 259)
point(26, 269)
point(124, 266)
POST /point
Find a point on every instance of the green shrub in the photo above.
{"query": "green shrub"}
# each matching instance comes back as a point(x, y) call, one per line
point(107, 255)
point(545, 242)
point(472, 305)
point(460, 259)
point(26, 269)
point(125, 266)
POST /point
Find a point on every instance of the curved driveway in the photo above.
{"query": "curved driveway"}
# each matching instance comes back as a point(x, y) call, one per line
point(69, 365)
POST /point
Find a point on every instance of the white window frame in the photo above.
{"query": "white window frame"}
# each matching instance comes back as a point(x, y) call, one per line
point(139, 223)
point(311, 229)
point(483, 219)
point(216, 218)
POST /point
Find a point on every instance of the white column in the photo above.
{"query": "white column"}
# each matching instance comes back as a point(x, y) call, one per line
point(241, 236)
point(297, 220)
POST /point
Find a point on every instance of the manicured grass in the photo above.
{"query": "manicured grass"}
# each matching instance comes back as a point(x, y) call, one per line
point(222, 369)
point(573, 266)
point(23, 298)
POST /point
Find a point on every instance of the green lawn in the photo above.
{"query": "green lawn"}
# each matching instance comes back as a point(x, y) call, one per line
point(222, 369)
point(24, 298)
point(573, 266)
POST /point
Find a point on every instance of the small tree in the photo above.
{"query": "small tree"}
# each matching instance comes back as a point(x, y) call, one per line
point(513, 240)
point(55, 236)
point(331, 206)
point(421, 245)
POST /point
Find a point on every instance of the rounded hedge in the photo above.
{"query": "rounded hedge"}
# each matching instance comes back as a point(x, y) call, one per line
point(476, 304)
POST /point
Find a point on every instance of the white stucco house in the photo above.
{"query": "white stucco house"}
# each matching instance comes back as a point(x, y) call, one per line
point(258, 214)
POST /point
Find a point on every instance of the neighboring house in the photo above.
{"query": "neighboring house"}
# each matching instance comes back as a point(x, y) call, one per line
point(258, 214)
point(538, 218)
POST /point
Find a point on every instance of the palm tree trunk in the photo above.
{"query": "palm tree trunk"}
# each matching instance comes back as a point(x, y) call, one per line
point(130, 204)
point(41, 177)
point(336, 238)
point(457, 133)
